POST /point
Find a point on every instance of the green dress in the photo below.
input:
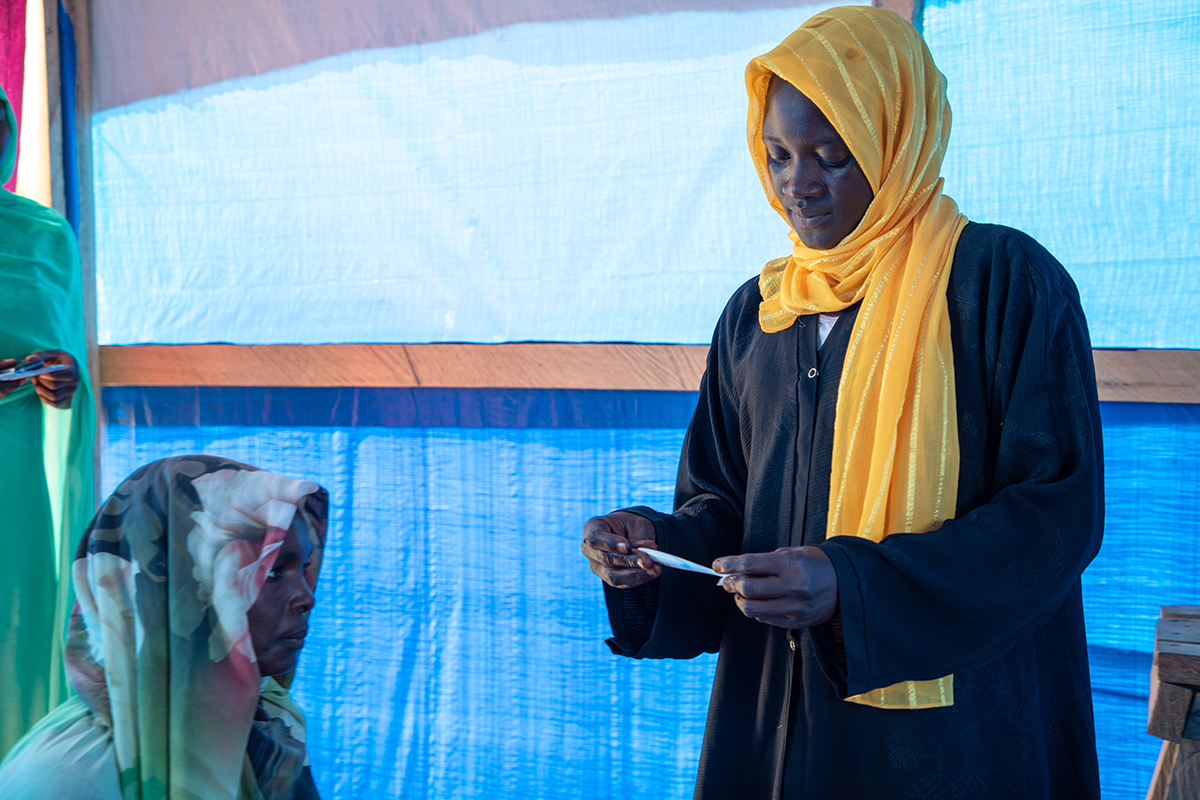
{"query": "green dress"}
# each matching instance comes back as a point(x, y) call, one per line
point(45, 454)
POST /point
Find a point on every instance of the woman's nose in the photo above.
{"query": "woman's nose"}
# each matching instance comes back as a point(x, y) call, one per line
point(301, 601)
point(802, 180)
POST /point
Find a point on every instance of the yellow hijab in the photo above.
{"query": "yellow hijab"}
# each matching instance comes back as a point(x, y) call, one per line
point(895, 443)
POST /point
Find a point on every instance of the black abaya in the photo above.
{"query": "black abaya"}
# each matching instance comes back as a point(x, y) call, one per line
point(993, 596)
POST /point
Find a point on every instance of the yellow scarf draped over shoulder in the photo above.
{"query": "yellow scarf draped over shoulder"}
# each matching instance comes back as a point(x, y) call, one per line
point(895, 443)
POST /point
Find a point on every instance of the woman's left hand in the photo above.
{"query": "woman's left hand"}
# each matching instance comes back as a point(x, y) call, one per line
point(56, 388)
point(792, 587)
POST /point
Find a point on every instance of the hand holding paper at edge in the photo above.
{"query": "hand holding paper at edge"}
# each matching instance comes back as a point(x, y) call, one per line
point(790, 587)
point(54, 374)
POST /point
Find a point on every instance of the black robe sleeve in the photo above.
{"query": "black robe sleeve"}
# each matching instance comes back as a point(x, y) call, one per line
point(1030, 515)
point(707, 523)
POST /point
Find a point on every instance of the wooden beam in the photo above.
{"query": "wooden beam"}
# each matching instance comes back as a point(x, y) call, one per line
point(1148, 376)
point(521, 365)
point(1139, 376)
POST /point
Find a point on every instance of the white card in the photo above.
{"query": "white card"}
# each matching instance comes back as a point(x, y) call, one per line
point(668, 560)
point(16, 374)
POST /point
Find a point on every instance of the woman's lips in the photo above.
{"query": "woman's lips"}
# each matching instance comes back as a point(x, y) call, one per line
point(813, 220)
point(294, 639)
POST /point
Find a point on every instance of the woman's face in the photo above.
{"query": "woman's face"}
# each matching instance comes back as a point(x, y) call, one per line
point(278, 620)
point(821, 187)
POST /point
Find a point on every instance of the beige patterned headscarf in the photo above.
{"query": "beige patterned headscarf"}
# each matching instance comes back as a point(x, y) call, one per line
point(159, 647)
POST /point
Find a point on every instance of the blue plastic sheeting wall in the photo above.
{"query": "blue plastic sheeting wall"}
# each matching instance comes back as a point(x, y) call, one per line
point(589, 180)
point(569, 181)
point(457, 648)
point(1150, 558)
point(1075, 122)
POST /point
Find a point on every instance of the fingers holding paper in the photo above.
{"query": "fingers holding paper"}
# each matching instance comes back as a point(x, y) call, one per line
point(792, 587)
point(8, 387)
point(609, 543)
point(57, 388)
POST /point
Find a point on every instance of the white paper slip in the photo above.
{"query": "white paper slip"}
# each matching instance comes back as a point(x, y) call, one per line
point(668, 560)
point(17, 373)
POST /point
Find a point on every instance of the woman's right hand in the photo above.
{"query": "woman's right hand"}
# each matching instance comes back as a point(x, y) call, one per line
point(8, 387)
point(609, 542)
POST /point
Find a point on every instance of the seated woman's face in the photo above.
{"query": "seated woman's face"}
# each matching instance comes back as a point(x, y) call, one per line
point(278, 619)
point(818, 182)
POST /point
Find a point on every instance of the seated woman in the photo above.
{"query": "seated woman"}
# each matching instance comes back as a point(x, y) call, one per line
point(193, 585)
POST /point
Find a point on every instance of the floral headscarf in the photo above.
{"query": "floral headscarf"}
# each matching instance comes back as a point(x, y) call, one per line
point(158, 645)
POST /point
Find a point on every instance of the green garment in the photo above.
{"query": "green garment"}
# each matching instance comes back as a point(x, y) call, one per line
point(45, 454)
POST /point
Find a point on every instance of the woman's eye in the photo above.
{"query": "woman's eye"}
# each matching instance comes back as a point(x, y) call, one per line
point(275, 574)
point(845, 162)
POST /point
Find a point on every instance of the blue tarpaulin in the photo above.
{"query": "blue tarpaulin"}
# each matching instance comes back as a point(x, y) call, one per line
point(588, 180)
point(457, 647)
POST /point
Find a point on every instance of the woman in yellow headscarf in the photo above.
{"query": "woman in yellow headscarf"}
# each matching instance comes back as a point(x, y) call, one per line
point(896, 458)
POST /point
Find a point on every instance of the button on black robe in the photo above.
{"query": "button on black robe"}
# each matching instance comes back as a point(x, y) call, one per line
point(993, 596)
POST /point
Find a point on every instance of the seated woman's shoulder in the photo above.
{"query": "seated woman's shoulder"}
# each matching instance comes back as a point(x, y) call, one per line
point(67, 756)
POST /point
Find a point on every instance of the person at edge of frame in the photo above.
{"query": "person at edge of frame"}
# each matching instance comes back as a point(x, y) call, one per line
point(47, 436)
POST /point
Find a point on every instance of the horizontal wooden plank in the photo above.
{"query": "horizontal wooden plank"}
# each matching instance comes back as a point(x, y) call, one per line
point(1177, 662)
point(1181, 612)
point(1139, 376)
point(1178, 630)
point(526, 365)
point(1148, 376)
point(1170, 706)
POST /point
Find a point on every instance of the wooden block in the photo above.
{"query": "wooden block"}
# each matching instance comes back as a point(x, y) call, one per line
point(1181, 612)
point(1178, 630)
point(1170, 706)
point(1191, 728)
point(1162, 771)
point(1177, 774)
point(1140, 376)
point(1178, 662)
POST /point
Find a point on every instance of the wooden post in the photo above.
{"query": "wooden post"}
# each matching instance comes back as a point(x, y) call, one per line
point(78, 11)
point(54, 105)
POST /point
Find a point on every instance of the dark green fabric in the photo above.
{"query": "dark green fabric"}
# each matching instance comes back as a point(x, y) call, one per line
point(45, 458)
